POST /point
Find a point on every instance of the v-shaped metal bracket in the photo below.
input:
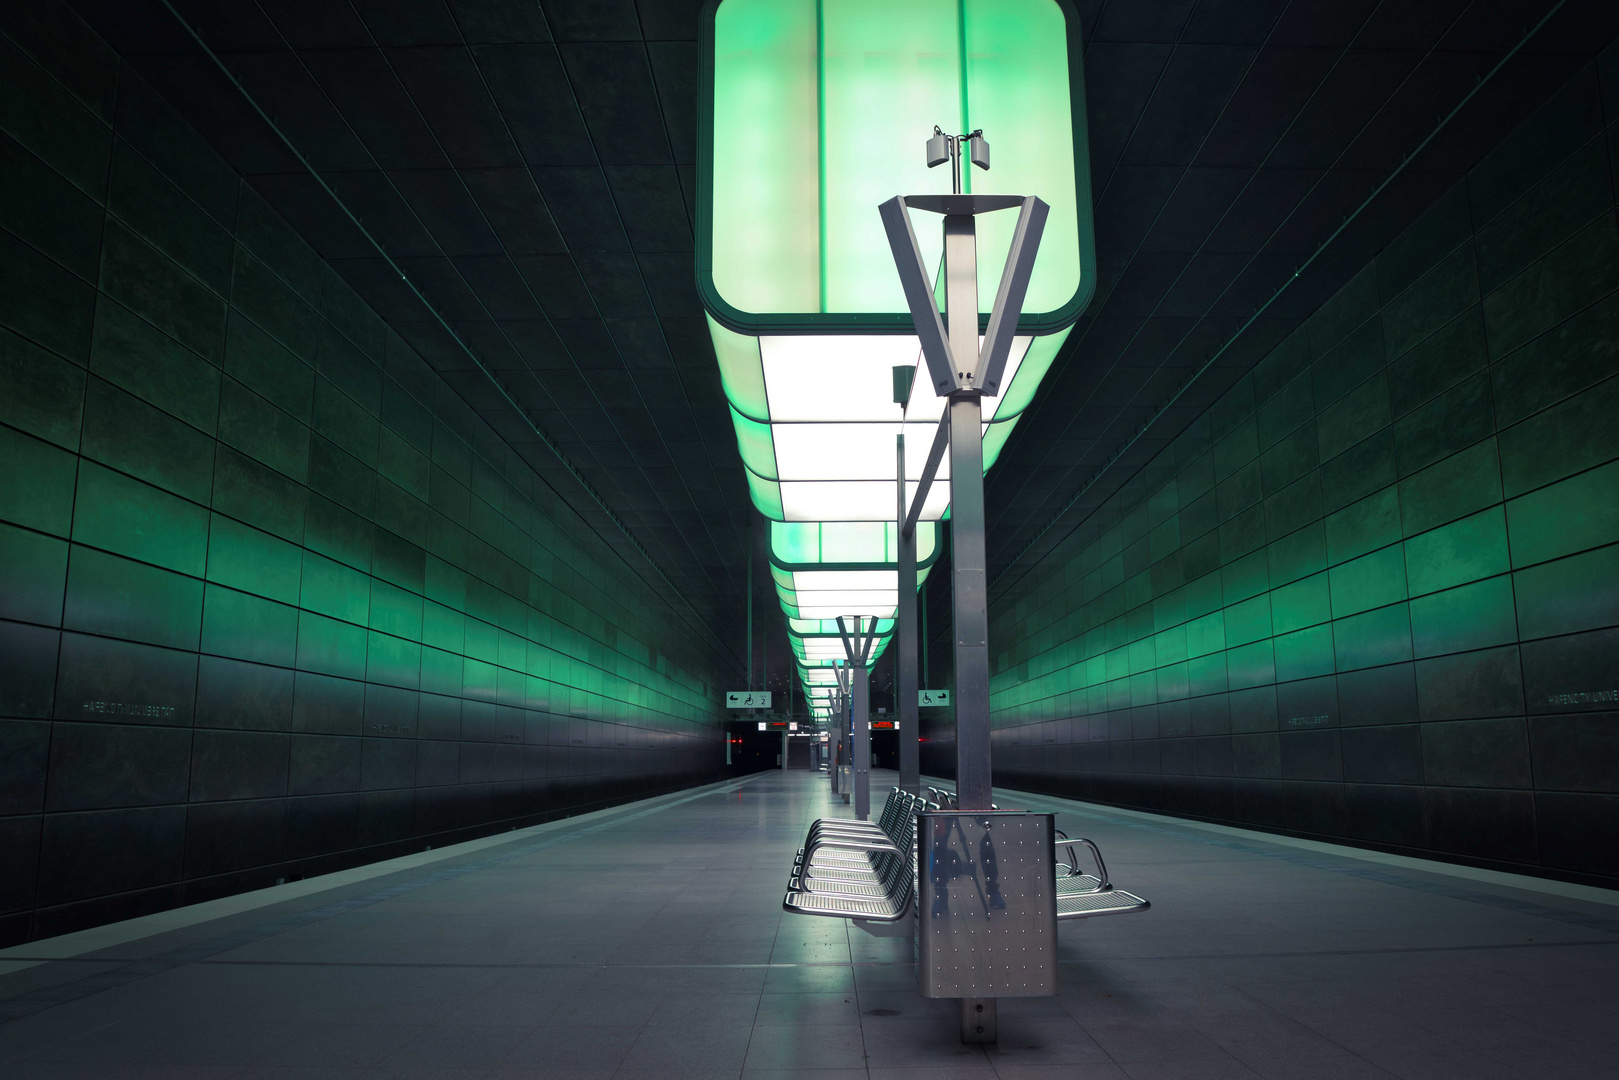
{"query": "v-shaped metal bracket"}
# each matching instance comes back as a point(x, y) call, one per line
point(983, 366)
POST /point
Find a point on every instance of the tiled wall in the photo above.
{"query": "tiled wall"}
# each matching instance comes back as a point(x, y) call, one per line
point(274, 601)
point(1372, 593)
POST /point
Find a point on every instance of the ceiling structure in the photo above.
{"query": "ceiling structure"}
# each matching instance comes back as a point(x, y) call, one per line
point(529, 168)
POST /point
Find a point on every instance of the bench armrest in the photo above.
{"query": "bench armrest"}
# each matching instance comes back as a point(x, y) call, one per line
point(1096, 853)
point(873, 847)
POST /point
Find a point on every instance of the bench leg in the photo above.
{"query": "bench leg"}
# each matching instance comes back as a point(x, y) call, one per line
point(978, 1020)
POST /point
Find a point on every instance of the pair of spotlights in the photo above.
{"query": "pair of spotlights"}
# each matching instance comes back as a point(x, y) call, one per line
point(942, 146)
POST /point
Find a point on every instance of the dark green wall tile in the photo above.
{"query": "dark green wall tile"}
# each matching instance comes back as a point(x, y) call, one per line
point(131, 436)
point(61, 43)
point(125, 516)
point(1564, 202)
point(1353, 417)
point(147, 282)
point(1373, 638)
point(1290, 458)
point(1567, 120)
point(1580, 592)
point(278, 246)
point(1571, 276)
point(1432, 301)
point(153, 127)
point(56, 218)
point(246, 627)
point(274, 307)
point(28, 659)
point(1343, 313)
point(1466, 550)
point(222, 837)
point(40, 392)
point(99, 852)
point(329, 647)
point(1579, 351)
point(41, 115)
point(1456, 419)
point(43, 302)
point(239, 765)
point(338, 418)
point(1438, 232)
point(145, 200)
point(1294, 507)
point(1476, 753)
point(1451, 488)
point(239, 695)
point(132, 354)
point(124, 682)
point(1364, 526)
point(348, 368)
point(1387, 814)
point(1359, 471)
point(323, 763)
point(99, 766)
point(262, 431)
point(120, 598)
point(1370, 581)
point(1291, 406)
point(1463, 686)
point(1571, 674)
point(249, 559)
point(24, 747)
point(1430, 368)
point(1574, 830)
point(1488, 824)
point(1576, 753)
point(1469, 617)
point(264, 364)
point(1359, 358)
point(1567, 438)
point(246, 490)
point(33, 575)
point(1563, 518)
point(1383, 755)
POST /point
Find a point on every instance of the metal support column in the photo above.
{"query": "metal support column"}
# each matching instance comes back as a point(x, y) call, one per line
point(860, 720)
point(970, 587)
point(964, 369)
point(905, 643)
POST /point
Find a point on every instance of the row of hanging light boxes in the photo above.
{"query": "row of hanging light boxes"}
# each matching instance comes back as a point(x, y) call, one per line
point(813, 113)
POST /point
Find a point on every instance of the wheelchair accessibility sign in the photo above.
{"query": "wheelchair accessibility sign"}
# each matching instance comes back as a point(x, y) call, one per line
point(932, 698)
point(747, 699)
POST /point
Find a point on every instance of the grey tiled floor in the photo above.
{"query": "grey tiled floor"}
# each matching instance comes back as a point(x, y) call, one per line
point(654, 945)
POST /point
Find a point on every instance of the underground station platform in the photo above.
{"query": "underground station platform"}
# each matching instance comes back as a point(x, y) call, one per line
point(649, 940)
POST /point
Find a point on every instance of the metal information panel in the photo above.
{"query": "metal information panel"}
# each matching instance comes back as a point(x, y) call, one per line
point(929, 699)
point(747, 699)
point(987, 913)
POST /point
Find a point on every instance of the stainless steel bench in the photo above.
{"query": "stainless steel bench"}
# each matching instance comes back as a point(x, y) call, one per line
point(859, 869)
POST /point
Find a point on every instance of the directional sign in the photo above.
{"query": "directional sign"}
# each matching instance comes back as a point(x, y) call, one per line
point(747, 699)
point(931, 698)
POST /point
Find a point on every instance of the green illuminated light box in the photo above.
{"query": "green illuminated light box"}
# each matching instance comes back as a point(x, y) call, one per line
point(813, 113)
point(826, 569)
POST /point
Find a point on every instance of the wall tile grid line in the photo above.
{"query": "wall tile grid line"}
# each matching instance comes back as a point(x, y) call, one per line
point(1373, 592)
point(272, 599)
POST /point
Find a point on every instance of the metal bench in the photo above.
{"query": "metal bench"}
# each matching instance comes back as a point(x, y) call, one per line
point(859, 869)
point(1081, 895)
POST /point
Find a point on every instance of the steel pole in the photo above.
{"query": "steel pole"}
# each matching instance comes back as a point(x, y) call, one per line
point(905, 688)
point(860, 695)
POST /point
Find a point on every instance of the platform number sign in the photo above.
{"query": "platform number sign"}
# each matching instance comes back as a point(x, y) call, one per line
point(929, 699)
point(747, 699)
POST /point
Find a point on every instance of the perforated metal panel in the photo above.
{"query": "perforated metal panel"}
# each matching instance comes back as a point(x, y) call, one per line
point(987, 917)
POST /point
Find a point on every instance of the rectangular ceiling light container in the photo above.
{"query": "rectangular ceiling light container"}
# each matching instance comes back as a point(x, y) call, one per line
point(815, 111)
point(826, 569)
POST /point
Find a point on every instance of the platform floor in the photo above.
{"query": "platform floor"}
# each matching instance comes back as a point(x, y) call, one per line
point(650, 942)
